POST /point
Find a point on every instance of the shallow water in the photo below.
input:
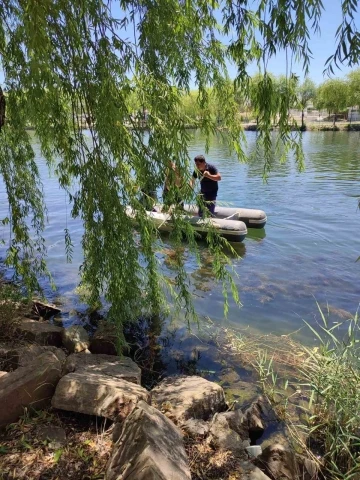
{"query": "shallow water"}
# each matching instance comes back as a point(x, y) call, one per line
point(306, 253)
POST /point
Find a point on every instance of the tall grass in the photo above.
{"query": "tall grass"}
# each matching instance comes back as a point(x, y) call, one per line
point(326, 378)
point(331, 375)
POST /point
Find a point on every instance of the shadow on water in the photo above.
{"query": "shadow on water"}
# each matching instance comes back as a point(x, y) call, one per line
point(236, 249)
point(161, 347)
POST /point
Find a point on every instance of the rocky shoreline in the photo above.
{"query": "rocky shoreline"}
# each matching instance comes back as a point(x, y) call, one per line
point(163, 433)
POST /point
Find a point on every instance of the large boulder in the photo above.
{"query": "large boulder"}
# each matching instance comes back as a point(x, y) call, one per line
point(104, 339)
point(21, 356)
point(150, 448)
point(185, 397)
point(97, 394)
point(75, 339)
point(31, 386)
point(122, 368)
point(41, 333)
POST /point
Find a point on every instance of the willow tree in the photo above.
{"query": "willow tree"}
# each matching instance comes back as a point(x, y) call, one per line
point(334, 96)
point(306, 92)
point(68, 61)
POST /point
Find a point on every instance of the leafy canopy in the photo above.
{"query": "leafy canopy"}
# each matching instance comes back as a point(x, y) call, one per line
point(64, 62)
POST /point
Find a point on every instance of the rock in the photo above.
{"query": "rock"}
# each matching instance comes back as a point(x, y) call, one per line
point(2, 374)
point(22, 356)
point(122, 368)
point(188, 397)
point(56, 436)
point(250, 472)
point(195, 427)
point(259, 415)
point(75, 338)
point(149, 448)
point(278, 463)
point(104, 339)
point(309, 470)
point(97, 394)
point(31, 386)
point(256, 474)
point(222, 437)
point(238, 422)
point(229, 376)
point(118, 428)
point(242, 393)
point(42, 333)
point(277, 436)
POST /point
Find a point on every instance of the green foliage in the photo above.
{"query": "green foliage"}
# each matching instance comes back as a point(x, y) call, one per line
point(12, 307)
point(65, 62)
point(353, 79)
point(329, 377)
point(333, 95)
point(306, 92)
point(332, 377)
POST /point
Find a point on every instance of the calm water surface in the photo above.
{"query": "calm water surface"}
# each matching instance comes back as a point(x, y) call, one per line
point(306, 253)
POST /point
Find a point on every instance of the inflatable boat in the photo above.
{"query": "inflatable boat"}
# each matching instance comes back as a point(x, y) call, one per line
point(232, 229)
point(252, 218)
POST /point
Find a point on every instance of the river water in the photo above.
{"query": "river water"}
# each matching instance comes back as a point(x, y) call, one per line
point(306, 254)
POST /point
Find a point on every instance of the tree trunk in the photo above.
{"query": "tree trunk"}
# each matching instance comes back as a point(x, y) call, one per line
point(334, 119)
point(302, 118)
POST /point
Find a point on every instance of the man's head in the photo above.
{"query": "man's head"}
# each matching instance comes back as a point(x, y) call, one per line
point(200, 162)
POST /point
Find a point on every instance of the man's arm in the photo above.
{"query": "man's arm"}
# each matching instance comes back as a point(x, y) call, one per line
point(215, 176)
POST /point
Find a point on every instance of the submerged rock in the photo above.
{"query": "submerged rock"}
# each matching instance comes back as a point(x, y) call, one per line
point(150, 448)
point(184, 397)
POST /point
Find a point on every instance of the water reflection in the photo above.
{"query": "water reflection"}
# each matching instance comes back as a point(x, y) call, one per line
point(307, 252)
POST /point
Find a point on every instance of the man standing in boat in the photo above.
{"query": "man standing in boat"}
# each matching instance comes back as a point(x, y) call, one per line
point(209, 177)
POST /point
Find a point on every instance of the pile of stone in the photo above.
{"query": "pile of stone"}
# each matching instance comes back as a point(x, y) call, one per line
point(149, 426)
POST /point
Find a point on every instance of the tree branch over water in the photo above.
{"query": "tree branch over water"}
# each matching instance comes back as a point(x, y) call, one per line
point(65, 62)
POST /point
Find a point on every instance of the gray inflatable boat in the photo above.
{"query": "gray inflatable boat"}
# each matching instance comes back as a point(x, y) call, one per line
point(232, 229)
point(251, 217)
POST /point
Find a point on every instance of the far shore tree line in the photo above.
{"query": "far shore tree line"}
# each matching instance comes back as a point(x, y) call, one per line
point(335, 95)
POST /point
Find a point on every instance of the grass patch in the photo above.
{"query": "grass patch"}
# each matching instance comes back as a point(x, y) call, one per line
point(323, 381)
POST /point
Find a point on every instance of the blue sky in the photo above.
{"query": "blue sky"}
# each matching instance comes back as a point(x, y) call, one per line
point(322, 45)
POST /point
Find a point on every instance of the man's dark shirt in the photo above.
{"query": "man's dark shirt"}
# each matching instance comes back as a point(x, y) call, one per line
point(209, 188)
